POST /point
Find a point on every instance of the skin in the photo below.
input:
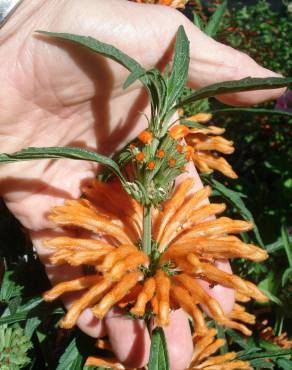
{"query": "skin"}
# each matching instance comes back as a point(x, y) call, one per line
point(56, 94)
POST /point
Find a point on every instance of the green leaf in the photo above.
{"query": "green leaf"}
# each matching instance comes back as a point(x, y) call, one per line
point(284, 363)
point(287, 244)
point(31, 325)
point(198, 21)
point(33, 308)
point(188, 123)
point(9, 288)
point(100, 48)
point(271, 296)
point(234, 198)
point(137, 74)
point(286, 275)
point(245, 84)
point(268, 354)
point(61, 152)
point(179, 73)
point(158, 354)
point(269, 112)
point(71, 358)
point(270, 286)
point(277, 245)
point(216, 19)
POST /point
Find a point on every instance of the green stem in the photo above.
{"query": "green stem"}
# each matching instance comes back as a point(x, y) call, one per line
point(147, 229)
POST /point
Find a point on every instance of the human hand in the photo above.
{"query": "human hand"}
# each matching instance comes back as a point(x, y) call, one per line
point(55, 94)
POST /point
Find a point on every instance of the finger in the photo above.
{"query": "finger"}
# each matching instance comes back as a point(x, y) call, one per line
point(210, 62)
point(179, 340)
point(224, 296)
point(213, 62)
point(56, 274)
point(130, 339)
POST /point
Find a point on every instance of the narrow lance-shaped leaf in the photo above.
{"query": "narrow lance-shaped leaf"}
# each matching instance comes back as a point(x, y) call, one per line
point(102, 48)
point(287, 244)
point(198, 21)
point(268, 354)
point(263, 111)
point(61, 152)
point(179, 73)
point(245, 84)
point(234, 198)
point(215, 21)
point(158, 354)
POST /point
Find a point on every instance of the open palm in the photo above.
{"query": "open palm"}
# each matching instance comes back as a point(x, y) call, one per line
point(56, 94)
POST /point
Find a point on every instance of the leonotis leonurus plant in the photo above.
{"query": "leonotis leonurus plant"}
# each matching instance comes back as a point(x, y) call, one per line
point(151, 240)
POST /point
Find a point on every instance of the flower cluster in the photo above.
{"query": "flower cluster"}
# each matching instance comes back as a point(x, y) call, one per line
point(188, 238)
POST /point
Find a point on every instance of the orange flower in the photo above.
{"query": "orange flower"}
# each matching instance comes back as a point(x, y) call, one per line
point(178, 132)
point(140, 156)
point(267, 333)
point(200, 117)
point(188, 243)
point(172, 162)
point(206, 144)
point(204, 349)
point(151, 165)
point(146, 137)
point(161, 153)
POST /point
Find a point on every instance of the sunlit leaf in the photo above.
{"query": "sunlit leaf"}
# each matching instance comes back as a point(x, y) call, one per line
point(245, 84)
point(262, 111)
point(158, 354)
point(99, 47)
point(179, 73)
point(61, 152)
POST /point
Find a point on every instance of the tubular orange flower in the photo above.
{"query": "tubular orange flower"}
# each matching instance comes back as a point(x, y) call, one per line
point(200, 117)
point(178, 132)
point(188, 241)
point(205, 347)
point(206, 144)
point(267, 333)
point(146, 137)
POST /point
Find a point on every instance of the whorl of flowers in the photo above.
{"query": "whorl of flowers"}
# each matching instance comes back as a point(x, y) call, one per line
point(188, 241)
point(204, 349)
point(207, 143)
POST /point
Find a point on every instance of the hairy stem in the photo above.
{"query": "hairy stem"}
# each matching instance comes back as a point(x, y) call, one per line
point(147, 229)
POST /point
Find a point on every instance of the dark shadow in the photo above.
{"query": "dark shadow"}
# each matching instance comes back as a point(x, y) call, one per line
point(12, 183)
point(139, 345)
point(97, 68)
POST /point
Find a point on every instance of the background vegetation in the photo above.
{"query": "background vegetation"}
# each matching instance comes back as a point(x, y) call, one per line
point(29, 336)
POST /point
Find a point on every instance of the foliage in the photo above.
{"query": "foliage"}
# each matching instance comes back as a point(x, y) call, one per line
point(262, 159)
point(14, 345)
